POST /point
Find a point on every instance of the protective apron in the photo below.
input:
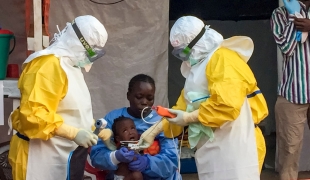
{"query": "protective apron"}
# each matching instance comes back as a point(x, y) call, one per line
point(47, 160)
point(232, 154)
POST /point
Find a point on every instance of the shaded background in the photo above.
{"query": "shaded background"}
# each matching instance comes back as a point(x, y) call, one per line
point(223, 10)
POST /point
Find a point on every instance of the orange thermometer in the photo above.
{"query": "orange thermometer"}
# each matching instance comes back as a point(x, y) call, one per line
point(162, 111)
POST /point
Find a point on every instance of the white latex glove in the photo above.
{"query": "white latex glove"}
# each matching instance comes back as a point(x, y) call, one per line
point(81, 137)
point(183, 118)
point(147, 138)
point(85, 138)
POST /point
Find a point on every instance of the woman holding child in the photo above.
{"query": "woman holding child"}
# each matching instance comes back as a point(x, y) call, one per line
point(163, 165)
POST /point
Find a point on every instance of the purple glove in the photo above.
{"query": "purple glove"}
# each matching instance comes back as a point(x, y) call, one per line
point(124, 155)
point(140, 164)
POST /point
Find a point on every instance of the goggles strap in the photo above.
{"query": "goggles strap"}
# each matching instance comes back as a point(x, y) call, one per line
point(85, 44)
point(196, 39)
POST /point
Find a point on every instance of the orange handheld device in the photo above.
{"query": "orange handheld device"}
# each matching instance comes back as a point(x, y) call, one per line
point(162, 111)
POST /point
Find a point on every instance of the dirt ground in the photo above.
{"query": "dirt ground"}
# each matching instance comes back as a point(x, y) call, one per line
point(268, 173)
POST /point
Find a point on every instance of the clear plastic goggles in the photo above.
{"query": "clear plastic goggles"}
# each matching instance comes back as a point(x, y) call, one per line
point(182, 52)
point(95, 53)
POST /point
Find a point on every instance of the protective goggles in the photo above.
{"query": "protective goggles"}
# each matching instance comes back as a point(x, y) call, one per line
point(92, 53)
point(183, 52)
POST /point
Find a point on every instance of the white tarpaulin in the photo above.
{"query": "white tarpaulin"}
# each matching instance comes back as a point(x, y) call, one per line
point(137, 43)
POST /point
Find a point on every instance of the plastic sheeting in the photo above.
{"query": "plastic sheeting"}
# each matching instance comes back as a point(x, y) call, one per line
point(137, 43)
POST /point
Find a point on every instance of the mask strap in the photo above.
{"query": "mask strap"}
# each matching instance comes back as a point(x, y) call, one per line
point(77, 31)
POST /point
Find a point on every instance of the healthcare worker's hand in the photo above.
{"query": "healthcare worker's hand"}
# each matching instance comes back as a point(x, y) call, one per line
point(85, 138)
point(124, 155)
point(105, 135)
point(81, 137)
point(183, 118)
point(292, 6)
point(148, 136)
point(140, 164)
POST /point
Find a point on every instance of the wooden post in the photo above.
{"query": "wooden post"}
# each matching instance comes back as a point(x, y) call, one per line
point(37, 15)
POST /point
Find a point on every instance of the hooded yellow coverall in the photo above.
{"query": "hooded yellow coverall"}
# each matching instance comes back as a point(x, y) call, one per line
point(42, 84)
point(229, 80)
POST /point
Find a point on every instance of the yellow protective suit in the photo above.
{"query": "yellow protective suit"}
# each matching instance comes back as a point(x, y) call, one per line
point(229, 80)
point(36, 117)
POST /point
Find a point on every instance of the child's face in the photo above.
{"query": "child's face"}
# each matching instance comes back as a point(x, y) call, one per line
point(141, 96)
point(126, 131)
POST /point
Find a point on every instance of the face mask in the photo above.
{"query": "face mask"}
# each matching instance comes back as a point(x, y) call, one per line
point(83, 63)
point(191, 61)
point(86, 64)
point(88, 60)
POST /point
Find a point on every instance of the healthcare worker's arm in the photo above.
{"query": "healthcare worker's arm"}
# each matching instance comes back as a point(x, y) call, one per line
point(259, 107)
point(172, 130)
point(100, 155)
point(43, 84)
point(230, 80)
point(284, 31)
point(164, 164)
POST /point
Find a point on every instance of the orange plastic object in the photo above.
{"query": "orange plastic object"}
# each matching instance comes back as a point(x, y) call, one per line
point(153, 149)
point(162, 111)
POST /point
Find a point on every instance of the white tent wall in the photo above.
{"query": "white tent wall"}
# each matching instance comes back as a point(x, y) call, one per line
point(137, 43)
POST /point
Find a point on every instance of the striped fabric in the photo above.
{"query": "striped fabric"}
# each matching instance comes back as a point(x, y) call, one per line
point(295, 83)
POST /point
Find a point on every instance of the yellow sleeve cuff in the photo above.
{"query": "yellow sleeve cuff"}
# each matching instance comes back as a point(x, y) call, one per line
point(66, 131)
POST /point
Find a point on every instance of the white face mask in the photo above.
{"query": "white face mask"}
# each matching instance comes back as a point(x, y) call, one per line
point(193, 61)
